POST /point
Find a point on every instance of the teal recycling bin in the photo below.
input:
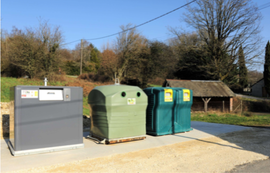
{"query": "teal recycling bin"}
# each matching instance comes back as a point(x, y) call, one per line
point(168, 110)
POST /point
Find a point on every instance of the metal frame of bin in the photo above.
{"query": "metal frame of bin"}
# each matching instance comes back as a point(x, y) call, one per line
point(45, 119)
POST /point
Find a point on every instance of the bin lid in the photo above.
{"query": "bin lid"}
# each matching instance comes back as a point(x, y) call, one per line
point(112, 89)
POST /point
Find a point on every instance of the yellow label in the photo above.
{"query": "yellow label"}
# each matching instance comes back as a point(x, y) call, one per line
point(131, 101)
point(168, 95)
point(186, 94)
point(36, 93)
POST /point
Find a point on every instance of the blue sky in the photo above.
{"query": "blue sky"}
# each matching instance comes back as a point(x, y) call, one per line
point(85, 19)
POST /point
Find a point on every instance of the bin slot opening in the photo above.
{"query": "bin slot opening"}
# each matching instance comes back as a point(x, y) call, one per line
point(51, 88)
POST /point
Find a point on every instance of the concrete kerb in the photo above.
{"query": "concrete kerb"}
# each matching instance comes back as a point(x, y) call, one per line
point(93, 150)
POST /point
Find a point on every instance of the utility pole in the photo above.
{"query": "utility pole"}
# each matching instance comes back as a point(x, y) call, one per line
point(6, 44)
point(90, 54)
point(81, 56)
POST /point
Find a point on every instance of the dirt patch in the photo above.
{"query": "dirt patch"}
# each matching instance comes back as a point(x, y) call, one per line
point(215, 154)
point(86, 85)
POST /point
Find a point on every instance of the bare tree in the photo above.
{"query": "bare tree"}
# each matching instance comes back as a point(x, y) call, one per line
point(254, 76)
point(87, 48)
point(184, 41)
point(129, 44)
point(51, 38)
point(110, 61)
point(224, 25)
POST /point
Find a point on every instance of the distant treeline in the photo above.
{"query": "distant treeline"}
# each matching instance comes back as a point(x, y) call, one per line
point(218, 49)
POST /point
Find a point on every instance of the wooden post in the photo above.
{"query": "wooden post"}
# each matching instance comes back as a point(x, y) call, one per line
point(231, 104)
point(205, 100)
point(223, 105)
point(241, 107)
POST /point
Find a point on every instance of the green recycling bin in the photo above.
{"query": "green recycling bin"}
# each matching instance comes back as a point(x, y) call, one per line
point(118, 113)
point(168, 110)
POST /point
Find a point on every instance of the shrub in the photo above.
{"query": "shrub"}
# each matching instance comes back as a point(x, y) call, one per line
point(251, 105)
point(247, 114)
point(72, 67)
point(94, 77)
point(157, 81)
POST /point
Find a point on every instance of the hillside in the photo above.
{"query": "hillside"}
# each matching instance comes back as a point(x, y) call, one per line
point(7, 82)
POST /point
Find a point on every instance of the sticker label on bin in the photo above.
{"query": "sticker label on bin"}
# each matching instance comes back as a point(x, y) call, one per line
point(29, 94)
point(186, 95)
point(50, 95)
point(131, 101)
point(168, 95)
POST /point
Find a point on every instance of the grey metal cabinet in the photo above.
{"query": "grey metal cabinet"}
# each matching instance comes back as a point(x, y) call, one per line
point(45, 119)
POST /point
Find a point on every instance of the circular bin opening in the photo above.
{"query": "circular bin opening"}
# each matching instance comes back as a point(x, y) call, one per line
point(123, 94)
point(138, 94)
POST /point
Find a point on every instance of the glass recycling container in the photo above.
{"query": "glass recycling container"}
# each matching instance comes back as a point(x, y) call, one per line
point(168, 110)
point(118, 113)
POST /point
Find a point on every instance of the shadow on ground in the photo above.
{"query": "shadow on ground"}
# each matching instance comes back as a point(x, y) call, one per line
point(5, 126)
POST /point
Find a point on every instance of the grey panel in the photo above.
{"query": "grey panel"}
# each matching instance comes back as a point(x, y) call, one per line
point(11, 116)
point(67, 94)
point(42, 124)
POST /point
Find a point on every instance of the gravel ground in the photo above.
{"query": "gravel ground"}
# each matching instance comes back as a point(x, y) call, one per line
point(215, 154)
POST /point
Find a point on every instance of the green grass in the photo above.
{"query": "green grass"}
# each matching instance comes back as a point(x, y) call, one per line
point(154, 85)
point(7, 82)
point(247, 119)
point(86, 109)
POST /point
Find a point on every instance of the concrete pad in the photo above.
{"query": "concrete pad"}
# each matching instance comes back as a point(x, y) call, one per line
point(93, 150)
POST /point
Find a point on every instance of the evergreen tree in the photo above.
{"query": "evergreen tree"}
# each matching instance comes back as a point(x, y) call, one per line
point(243, 82)
point(266, 73)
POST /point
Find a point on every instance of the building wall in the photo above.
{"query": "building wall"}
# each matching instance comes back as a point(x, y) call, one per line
point(257, 89)
point(215, 104)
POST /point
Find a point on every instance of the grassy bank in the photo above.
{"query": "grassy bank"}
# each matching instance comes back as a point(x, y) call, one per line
point(246, 119)
point(154, 85)
point(7, 82)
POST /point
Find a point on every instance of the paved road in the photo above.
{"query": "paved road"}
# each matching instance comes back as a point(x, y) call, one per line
point(252, 97)
point(257, 166)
